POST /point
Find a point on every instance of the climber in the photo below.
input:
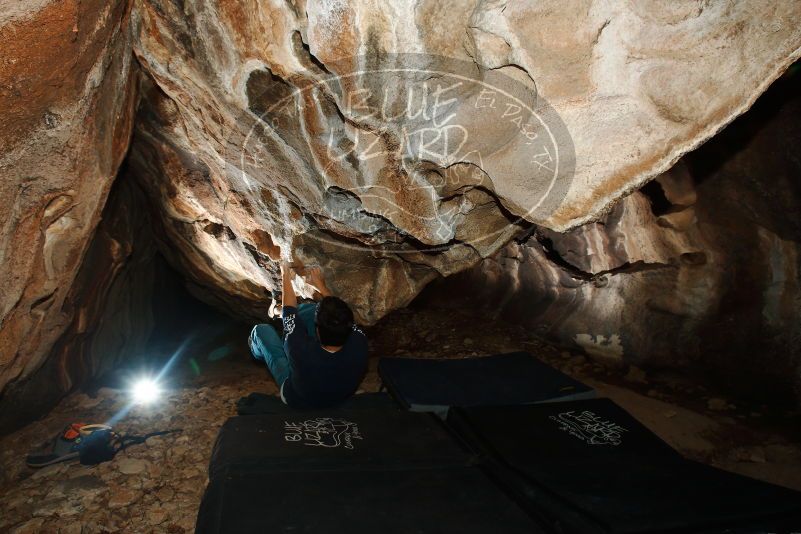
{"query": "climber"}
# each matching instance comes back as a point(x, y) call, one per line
point(323, 356)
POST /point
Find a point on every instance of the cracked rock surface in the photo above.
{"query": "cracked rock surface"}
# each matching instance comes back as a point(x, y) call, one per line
point(391, 179)
point(66, 108)
point(699, 271)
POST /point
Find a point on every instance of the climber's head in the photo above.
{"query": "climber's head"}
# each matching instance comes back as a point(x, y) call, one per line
point(334, 320)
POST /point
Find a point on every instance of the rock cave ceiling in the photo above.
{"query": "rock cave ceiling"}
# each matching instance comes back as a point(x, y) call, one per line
point(394, 143)
point(322, 122)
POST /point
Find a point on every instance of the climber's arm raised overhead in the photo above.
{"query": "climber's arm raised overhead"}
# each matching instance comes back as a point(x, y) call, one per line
point(288, 297)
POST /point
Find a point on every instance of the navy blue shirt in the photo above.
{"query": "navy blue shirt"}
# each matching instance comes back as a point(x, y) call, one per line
point(318, 378)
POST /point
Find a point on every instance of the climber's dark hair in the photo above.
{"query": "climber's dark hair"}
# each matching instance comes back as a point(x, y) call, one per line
point(334, 320)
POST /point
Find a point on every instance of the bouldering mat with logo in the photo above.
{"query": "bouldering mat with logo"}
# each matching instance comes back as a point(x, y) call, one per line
point(335, 439)
point(591, 467)
point(516, 378)
point(355, 471)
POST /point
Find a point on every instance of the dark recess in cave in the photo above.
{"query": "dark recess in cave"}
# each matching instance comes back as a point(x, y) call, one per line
point(201, 339)
point(714, 154)
point(660, 205)
point(772, 183)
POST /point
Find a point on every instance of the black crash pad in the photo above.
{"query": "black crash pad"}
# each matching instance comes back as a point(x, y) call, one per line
point(459, 500)
point(505, 379)
point(590, 467)
point(261, 403)
point(335, 440)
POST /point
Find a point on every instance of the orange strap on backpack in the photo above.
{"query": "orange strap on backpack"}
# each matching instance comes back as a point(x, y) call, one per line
point(73, 431)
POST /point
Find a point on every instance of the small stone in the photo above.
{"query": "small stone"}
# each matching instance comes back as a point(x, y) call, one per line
point(107, 393)
point(187, 522)
point(717, 404)
point(157, 516)
point(191, 472)
point(636, 374)
point(670, 414)
point(72, 527)
point(578, 360)
point(148, 484)
point(32, 526)
point(467, 342)
point(86, 402)
point(169, 507)
point(84, 486)
point(13, 502)
point(165, 494)
point(565, 355)
point(131, 466)
point(155, 442)
point(50, 470)
point(122, 497)
point(739, 454)
point(757, 456)
point(155, 470)
point(57, 507)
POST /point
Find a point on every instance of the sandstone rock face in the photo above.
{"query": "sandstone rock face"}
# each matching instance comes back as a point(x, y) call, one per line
point(338, 125)
point(108, 310)
point(699, 270)
point(67, 100)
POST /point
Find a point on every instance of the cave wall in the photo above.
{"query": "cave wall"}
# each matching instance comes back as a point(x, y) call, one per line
point(109, 306)
point(699, 271)
point(66, 107)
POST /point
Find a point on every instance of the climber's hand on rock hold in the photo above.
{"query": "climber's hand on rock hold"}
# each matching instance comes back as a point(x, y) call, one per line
point(292, 262)
point(314, 277)
point(299, 268)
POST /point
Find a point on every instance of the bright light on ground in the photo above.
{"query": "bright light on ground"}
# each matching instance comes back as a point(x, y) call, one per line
point(145, 391)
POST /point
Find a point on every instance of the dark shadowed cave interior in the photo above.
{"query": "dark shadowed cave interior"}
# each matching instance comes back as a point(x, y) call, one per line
point(157, 184)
